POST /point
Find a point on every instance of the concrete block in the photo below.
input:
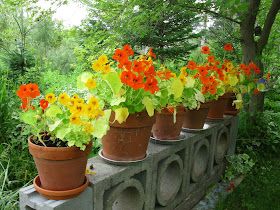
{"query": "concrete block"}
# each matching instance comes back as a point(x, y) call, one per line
point(30, 199)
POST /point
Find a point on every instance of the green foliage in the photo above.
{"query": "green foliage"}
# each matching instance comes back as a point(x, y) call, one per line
point(165, 26)
point(240, 164)
point(260, 189)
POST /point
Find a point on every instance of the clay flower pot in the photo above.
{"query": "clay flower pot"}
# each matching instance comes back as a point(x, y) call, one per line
point(195, 119)
point(230, 109)
point(60, 169)
point(218, 107)
point(165, 128)
point(128, 141)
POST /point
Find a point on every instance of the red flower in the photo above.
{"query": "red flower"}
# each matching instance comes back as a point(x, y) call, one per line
point(24, 103)
point(33, 90)
point(120, 55)
point(23, 91)
point(202, 71)
point(228, 47)
point(256, 91)
point(191, 65)
point(138, 66)
point(211, 58)
point(205, 50)
point(136, 82)
point(151, 53)
point(150, 71)
point(151, 85)
point(44, 104)
point(126, 76)
point(129, 51)
point(242, 66)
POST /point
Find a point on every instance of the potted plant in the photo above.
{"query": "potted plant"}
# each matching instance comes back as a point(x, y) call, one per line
point(202, 88)
point(127, 87)
point(170, 116)
point(62, 130)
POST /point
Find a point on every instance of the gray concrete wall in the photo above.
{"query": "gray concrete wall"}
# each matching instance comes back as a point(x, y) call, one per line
point(172, 177)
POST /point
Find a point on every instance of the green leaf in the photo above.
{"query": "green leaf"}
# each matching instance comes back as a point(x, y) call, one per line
point(177, 88)
point(29, 117)
point(149, 105)
point(113, 81)
point(116, 101)
point(62, 132)
point(121, 114)
point(82, 79)
point(54, 125)
point(53, 110)
point(101, 125)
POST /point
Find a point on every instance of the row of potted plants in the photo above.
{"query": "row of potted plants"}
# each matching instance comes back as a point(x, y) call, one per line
point(123, 101)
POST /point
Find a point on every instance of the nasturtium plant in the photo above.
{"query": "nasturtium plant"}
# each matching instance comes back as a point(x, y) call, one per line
point(62, 120)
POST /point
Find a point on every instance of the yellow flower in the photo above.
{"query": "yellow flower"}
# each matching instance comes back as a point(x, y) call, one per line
point(103, 59)
point(94, 102)
point(182, 78)
point(97, 66)
point(183, 70)
point(90, 111)
point(75, 119)
point(78, 109)
point(75, 96)
point(106, 69)
point(88, 128)
point(64, 99)
point(91, 83)
point(50, 98)
point(229, 65)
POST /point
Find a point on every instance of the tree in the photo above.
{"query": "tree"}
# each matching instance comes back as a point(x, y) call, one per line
point(165, 26)
point(245, 14)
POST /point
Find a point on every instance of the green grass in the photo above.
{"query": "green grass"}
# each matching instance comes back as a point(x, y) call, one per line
point(260, 190)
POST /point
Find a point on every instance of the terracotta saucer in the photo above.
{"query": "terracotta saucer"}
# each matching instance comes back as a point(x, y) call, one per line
point(155, 140)
point(119, 162)
point(59, 195)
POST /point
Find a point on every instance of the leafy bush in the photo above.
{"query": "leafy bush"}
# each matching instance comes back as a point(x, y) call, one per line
point(238, 164)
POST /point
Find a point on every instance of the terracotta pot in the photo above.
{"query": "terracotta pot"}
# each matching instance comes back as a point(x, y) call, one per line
point(230, 109)
point(165, 128)
point(128, 141)
point(218, 107)
point(60, 168)
point(195, 119)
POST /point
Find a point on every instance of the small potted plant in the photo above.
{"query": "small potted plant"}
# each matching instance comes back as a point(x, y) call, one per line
point(170, 116)
point(62, 129)
point(202, 87)
point(127, 87)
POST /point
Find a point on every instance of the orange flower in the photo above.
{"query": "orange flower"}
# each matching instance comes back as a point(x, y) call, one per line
point(151, 85)
point(211, 58)
point(212, 89)
point(205, 50)
point(151, 53)
point(33, 90)
point(24, 103)
point(150, 71)
point(129, 51)
point(256, 91)
point(191, 65)
point(136, 82)
point(44, 104)
point(228, 47)
point(138, 66)
point(23, 92)
point(242, 66)
point(120, 55)
point(126, 76)
point(202, 70)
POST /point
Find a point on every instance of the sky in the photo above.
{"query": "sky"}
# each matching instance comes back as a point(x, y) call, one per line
point(71, 14)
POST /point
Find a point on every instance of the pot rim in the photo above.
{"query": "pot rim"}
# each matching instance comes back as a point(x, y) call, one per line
point(57, 153)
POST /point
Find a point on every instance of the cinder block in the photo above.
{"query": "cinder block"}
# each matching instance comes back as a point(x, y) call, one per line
point(110, 179)
point(30, 199)
point(171, 177)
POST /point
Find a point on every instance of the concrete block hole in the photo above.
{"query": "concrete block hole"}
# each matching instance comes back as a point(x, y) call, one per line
point(222, 145)
point(126, 196)
point(170, 179)
point(200, 160)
